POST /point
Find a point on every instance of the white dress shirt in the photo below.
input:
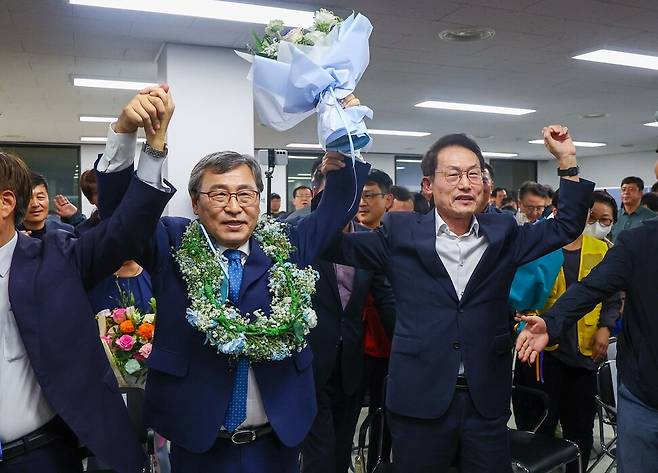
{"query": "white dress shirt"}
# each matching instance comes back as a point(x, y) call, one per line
point(256, 415)
point(459, 254)
point(23, 406)
point(119, 154)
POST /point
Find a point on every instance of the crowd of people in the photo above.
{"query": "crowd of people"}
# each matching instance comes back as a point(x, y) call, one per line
point(413, 308)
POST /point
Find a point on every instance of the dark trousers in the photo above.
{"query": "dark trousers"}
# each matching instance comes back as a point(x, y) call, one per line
point(60, 456)
point(266, 454)
point(479, 444)
point(637, 430)
point(571, 391)
point(328, 446)
point(375, 371)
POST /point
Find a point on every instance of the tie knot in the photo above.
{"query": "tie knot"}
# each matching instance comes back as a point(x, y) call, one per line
point(233, 256)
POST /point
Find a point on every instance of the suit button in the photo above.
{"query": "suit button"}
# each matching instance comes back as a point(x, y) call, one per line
point(456, 345)
point(461, 311)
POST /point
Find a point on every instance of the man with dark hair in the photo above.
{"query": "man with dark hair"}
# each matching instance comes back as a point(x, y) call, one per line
point(449, 382)
point(301, 197)
point(275, 203)
point(532, 202)
point(650, 201)
point(36, 222)
point(58, 390)
point(402, 200)
point(486, 204)
point(510, 205)
point(654, 187)
point(632, 212)
point(499, 195)
point(376, 199)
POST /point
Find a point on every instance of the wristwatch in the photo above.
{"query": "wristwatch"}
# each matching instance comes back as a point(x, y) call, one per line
point(155, 153)
point(568, 172)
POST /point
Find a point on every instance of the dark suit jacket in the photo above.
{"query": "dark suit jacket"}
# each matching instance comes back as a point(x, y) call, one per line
point(631, 265)
point(338, 327)
point(189, 384)
point(434, 329)
point(47, 291)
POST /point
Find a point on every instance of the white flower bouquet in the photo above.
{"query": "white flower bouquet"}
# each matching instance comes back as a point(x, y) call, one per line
point(298, 71)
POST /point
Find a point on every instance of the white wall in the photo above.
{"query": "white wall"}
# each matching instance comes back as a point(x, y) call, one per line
point(605, 171)
point(383, 162)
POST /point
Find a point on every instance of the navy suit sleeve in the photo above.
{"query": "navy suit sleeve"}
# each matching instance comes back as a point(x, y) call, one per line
point(609, 277)
point(382, 293)
point(111, 187)
point(338, 206)
point(534, 241)
point(365, 250)
point(123, 236)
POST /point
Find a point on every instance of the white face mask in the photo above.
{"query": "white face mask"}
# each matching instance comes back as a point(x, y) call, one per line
point(597, 230)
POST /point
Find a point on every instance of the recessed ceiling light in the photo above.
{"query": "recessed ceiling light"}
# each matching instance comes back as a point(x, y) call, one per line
point(467, 34)
point(494, 154)
point(304, 145)
point(408, 160)
point(469, 107)
point(621, 58)
point(582, 144)
point(594, 115)
point(651, 124)
point(399, 133)
point(102, 139)
point(213, 9)
point(110, 84)
point(98, 119)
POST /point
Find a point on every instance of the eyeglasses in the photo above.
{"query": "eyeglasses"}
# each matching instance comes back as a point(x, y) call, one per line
point(221, 198)
point(606, 222)
point(369, 197)
point(534, 208)
point(454, 176)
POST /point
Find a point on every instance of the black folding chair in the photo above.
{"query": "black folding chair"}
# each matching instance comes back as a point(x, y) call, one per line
point(362, 451)
point(134, 399)
point(538, 453)
point(606, 406)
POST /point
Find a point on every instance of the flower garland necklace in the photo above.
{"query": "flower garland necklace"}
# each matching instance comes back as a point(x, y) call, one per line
point(256, 336)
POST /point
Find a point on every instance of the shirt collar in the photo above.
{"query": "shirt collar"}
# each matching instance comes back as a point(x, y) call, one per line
point(442, 226)
point(244, 248)
point(6, 254)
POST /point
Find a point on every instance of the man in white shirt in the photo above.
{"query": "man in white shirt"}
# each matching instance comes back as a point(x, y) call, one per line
point(57, 389)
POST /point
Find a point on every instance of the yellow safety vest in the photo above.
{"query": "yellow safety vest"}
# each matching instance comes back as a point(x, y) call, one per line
point(591, 254)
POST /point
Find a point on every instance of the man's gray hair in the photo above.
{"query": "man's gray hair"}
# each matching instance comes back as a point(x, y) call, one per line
point(220, 163)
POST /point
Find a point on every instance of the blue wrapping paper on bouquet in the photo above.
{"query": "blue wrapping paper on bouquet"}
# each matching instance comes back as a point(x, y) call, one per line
point(307, 79)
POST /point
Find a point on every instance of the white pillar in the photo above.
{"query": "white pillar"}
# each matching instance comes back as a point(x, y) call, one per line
point(214, 110)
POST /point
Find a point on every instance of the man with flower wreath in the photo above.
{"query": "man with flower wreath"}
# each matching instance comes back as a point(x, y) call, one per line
point(230, 381)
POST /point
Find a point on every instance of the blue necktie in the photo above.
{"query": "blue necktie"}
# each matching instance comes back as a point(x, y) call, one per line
point(237, 406)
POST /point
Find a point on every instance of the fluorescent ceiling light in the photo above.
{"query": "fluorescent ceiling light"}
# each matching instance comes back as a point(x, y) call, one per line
point(398, 133)
point(651, 124)
point(469, 107)
point(400, 168)
point(304, 174)
point(213, 9)
point(304, 145)
point(308, 158)
point(111, 84)
point(582, 144)
point(98, 119)
point(417, 161)
point(102, 139)
point(621, 58)
point(493, 154)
